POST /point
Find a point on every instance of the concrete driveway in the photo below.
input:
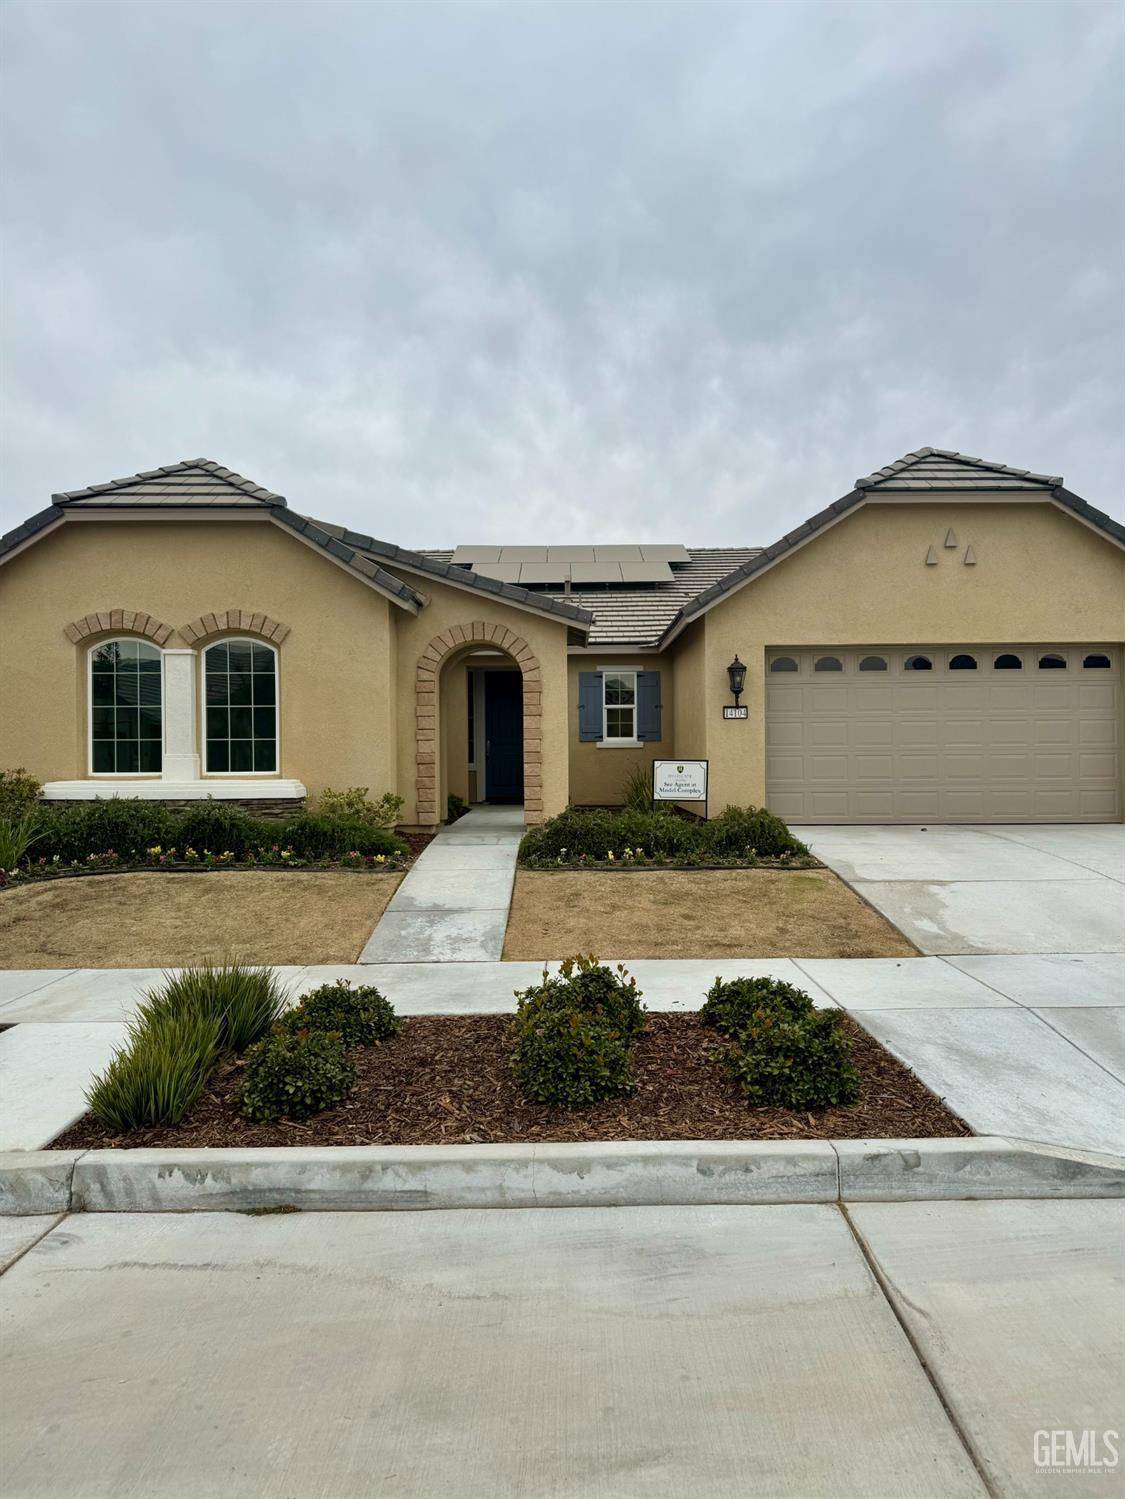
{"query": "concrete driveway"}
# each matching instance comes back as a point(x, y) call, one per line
point(964, 890)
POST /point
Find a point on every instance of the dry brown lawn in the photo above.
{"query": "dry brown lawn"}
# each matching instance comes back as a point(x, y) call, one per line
point(673, 913)
point(169, 920)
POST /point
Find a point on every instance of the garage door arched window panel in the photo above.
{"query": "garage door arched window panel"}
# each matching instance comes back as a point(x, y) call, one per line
point(783, 663)
point(963, 662)
point(240, 708)
point(126, 708)
point(1052, 661)
point(873, 663)
point(918, 663)
point(1008, 661)
point(1096, 663)
point(828, 663)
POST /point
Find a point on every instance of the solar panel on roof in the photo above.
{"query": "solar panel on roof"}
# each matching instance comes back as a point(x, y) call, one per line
point(466, 556)
point(595, 572)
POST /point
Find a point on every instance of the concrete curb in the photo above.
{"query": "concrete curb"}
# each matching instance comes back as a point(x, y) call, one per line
point(627, 1173)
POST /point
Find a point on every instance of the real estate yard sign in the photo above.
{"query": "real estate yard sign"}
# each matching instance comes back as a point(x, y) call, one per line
point(679, 781)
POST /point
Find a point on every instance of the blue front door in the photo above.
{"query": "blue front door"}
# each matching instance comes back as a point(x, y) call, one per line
point(503, 733)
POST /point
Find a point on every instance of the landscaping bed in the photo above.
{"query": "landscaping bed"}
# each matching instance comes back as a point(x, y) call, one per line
point(158, 920)
point(677, 913)
point(449, 1080)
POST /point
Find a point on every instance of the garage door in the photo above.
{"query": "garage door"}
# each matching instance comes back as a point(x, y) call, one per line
point(919, 734)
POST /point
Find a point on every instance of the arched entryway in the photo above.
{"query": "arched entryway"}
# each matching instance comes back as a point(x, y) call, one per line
point(455, 643)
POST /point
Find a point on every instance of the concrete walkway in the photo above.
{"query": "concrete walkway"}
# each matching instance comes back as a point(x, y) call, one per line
point(453, 905)
point(961, 890)
point(797, 1352)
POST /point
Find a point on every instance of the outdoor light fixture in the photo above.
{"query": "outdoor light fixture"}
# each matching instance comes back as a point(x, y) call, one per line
point(737, 674)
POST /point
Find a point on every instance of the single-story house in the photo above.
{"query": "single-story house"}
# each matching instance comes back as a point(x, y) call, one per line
point(942, 644)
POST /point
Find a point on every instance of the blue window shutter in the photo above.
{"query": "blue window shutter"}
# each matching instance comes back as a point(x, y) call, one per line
point(589, 705)
point(648, 705)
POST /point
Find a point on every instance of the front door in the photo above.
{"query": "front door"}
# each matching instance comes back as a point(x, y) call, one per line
point(503, 733)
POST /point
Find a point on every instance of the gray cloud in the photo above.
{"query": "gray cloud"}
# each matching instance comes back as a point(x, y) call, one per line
point(509, 271)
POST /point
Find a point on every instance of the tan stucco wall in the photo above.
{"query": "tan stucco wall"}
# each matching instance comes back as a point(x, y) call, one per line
point(1041, 577)
point(598, 775)
point(546, 637)
point(337, 688)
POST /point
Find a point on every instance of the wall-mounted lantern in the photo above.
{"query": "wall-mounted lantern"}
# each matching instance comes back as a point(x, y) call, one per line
point(736, 673)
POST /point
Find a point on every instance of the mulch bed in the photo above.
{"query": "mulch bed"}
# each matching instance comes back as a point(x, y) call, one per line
point(448, 1080)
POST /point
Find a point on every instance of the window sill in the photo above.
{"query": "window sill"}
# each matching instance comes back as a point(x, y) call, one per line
point(619, 744)
point(222, 788)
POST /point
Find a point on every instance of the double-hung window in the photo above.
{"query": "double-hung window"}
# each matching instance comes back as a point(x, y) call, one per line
point(619, 706)
point(240, 699)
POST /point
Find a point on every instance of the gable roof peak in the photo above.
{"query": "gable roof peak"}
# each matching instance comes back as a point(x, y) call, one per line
point(943, 468)
point(192, 481)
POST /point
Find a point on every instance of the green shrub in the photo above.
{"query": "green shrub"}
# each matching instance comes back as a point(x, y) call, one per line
point(245, 1002)
point(360, 1017)
point(292, 1074)
point(19, 793)
point(733, 1005)
point(739, 830)
point(792, 1063)
point(313, 836)
point(219, 827)
point(568, 1057)
point(158, 1075)
point(574, 1034)
point(17, 834)
point(353, 805)
point(636, 793)
point(455, 807)
point(129, 828)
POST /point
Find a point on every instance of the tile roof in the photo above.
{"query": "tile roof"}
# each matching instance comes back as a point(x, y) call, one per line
point(195, 481)
point(939, 468)
point(437, 565)
point(914, 472)
point(639, 616)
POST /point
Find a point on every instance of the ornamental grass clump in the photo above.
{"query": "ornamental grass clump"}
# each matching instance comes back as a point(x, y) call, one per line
point(783, 1051)
point(574, 1034)
point(158, 1075)
point(292, 1074)
point(245, 1001)
point(361, 1017)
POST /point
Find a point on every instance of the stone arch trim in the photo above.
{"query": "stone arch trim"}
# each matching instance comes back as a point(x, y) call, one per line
point(133, 621)
point(426, 679)
point(246, 621)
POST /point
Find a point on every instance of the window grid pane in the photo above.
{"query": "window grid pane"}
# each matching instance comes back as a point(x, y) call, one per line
point(126, 718)
point(240, 688)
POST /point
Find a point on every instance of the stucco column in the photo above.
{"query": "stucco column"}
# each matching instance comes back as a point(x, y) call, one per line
point(181, 757)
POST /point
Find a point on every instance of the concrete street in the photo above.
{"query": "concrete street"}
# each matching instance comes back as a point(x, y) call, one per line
point(590, 1351)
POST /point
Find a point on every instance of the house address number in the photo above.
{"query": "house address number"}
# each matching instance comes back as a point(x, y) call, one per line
point(730, 711)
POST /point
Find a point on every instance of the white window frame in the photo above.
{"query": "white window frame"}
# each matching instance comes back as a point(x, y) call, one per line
point(619, 740)
point(119, 775)
point(238, 775)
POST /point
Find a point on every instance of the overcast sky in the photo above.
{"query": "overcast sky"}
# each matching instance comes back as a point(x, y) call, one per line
point(520, 272)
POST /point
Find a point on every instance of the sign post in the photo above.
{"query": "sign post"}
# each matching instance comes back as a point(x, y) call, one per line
point(680, 781)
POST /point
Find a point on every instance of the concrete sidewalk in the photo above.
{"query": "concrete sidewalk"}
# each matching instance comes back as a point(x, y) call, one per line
point(453, 904)
point(645, 1352)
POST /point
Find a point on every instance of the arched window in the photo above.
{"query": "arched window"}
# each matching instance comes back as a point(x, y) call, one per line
point(963, 663)
point(240, 702)
point(1052, 662)
point(126, 722)
point(1097, 662)
point(828, 663)
point(919, 663)
point(873, 663)
point(783, 663)
point(1007, 662)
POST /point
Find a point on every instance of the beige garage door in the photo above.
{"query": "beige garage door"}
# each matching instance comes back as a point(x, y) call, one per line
point(919, 734)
